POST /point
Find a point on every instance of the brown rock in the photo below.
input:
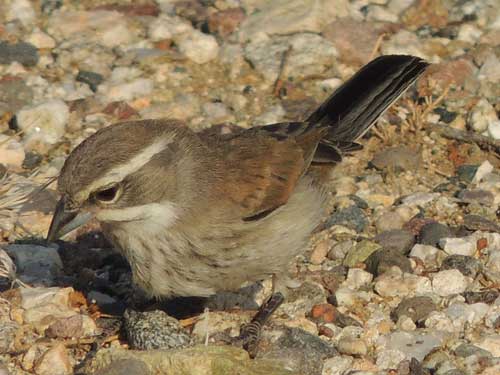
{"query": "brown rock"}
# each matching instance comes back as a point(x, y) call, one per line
point(324, 313)
point(319, 252)
point(134, 9)
point(226, 21)
point(426, 13)
point(438, 76)
point(353, 39)
point(55, 361)
point(67, 327)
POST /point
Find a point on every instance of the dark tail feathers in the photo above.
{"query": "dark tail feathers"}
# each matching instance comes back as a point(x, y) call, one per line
point(356, 105)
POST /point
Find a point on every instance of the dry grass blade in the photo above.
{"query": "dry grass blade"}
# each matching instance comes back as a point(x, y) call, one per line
point(7, 266)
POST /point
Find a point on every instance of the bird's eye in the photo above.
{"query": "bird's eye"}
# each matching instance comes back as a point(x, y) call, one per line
point(107, 195)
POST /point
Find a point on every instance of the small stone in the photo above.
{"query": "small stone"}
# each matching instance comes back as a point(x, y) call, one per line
point(36, 265)
point(483, 197)
point(390, 359)
point(11, 152)
point(225, 21)
point(45, 122)
point(21, 10)
point(476, 222)
point(383, 260)
point(466, 350)
point(127, 90)
point(324, 313)
point(340, 249)
point(55, 361)
point(458, 246)
point(405, 323)
point(338, 365)
point(389, 221)
point(350, 346)
point(432, 233)
point(154, 330)
point(482, 115)
point(360, 253)
point(413, 344)
point(165, 27)
point(92, 79)
point(319, 252)
point(428, 254)
point(352, 217)
point(482, 171)
point(467, 172)
point(357, 278)
point(198, 47)
point(32, 160)
point(8, 332)
point(419, 199)
point(487, 296)
point(467, 265)
point(217, 113)
point(398, 240)
point(491, 344)
point(285, 17)
point(129, 366)
point(494, 129)
point(24, 53)
point(396, 159)
point(41, 40)
point(63, 328)
point(449, 282)
point(416, 308)
point(394, 283)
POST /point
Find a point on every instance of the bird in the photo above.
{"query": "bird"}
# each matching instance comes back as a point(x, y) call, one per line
point(196, 213)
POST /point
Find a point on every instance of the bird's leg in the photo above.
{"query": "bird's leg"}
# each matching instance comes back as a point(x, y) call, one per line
point(250, 333)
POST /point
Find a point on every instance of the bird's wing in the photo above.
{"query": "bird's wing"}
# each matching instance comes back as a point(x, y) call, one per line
point(263, 165)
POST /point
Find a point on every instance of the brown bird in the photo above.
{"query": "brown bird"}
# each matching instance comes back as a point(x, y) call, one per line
point(198, 213)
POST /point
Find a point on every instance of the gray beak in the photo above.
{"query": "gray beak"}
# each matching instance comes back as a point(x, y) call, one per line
point(64, 221)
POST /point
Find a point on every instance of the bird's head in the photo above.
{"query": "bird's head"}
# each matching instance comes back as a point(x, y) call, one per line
point(124, 172)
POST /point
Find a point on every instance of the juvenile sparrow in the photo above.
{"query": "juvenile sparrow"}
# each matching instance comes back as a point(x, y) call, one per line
point(198, 213)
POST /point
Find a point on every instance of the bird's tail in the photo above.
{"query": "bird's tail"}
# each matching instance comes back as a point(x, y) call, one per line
point(356, 105)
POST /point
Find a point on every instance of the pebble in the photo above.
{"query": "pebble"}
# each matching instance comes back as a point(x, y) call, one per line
point(382, 261)
point(22, 52)
point(467, 265)
point(394, 283)
point(11, 152)
point(416, 308)
point(320, 251)
point(92, 79)
point(197, 46)
point(487, 296)
point(389, 221)
point(154, 330)
point(482, 115)
point(432, 233)
point(351, 217)
point(490, 343)
point(36, 265)
point(357, 278)
point(428, 254)
point(467, 172)
point(412, 344)
point(466, 350)
point(44, 122)
point(398, 240)
point(340, 249)
point(360, 253)
point(349, 346)
point(54, 361)
point(21, 10)
point(127, 90)
point(449, 282)
point(419, 199)
point(74, 326)
point(396, 159)
point(458, 246)
point(285, 17)
point(338, 365)
point(8, 332)
point(165, 27)
point(41, 40)
point(483, 197)
point(494, 129)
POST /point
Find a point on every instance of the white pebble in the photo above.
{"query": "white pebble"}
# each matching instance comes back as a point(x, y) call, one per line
point(356, 278)
point(198, 47)
point(494, 129)
point(337, 365)
point(44, 122)
point(458, 246)
point(448, 282)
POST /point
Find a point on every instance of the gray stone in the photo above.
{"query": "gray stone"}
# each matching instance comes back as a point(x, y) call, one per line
point(352, 217)
point(467, 172)
point(416, 308)
point(92, 79)
point(476, 222)
point(487, 296)
point(397, 240)
point(483, 197)
point(299, 350)
point(414, 344)
point(15, 94)
point(467, 265)
point(201, 359)
point(396, 159)
point(129, 366)
point(466, 350)
point(24, 53)
point(431, 233)
point(154, 330)
point(36, 265)
point(383, 260)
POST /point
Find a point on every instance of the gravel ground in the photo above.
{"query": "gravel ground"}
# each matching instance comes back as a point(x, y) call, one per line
point(402, 277)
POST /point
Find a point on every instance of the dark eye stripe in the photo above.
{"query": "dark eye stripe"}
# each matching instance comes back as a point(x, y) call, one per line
point(107, 195)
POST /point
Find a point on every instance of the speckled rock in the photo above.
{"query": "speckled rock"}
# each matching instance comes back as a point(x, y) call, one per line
point(352, 217)
point(24, 53)
point(467, 265)
point(416, 308)
point(154, 330)
point(400, 241)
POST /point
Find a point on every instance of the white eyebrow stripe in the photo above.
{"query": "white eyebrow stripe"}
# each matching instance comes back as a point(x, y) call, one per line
point(118, 173)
